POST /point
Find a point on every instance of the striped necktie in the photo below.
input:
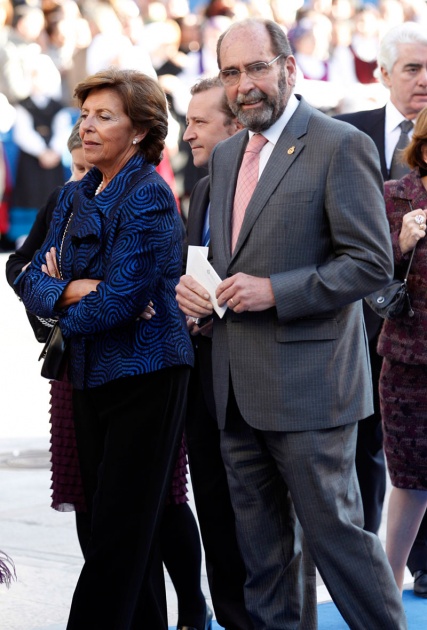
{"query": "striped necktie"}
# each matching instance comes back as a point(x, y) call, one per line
point(398, 168)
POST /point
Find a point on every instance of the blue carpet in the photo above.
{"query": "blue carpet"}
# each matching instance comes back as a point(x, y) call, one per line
point(415, 609)
point(330, 618)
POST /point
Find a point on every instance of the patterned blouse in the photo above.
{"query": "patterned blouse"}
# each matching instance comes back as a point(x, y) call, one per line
point(130, 237)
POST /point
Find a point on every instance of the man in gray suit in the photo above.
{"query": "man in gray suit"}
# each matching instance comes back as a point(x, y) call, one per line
point(290, 360)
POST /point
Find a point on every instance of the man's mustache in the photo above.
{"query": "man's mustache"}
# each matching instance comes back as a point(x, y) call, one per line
point(252, 97)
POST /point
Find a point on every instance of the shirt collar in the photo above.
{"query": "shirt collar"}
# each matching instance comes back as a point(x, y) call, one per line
point(273, 133)
point(393, 117)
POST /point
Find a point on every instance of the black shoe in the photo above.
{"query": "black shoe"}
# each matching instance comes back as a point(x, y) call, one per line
point(420, 583)
point(208, 622)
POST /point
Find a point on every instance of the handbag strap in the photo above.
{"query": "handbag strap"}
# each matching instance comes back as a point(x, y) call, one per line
point(62, 245)
point(412, 254)
point(75, 204)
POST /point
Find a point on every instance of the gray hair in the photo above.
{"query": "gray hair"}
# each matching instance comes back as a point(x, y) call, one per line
point(406, 33)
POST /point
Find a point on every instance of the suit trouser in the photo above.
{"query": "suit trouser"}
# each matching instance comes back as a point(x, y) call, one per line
point(224, 566)
point(128, 435)
point(317, 467)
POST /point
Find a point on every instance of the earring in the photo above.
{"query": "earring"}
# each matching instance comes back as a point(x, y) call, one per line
point(134, 141)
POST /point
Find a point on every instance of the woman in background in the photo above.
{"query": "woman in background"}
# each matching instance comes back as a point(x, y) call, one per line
point(403, 344)
point(40, 131)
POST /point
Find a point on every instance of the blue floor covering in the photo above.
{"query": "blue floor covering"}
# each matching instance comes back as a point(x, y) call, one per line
point(330, 618)
point(415, 609)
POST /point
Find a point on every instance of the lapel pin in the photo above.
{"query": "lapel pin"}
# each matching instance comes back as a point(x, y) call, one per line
point(291, 150)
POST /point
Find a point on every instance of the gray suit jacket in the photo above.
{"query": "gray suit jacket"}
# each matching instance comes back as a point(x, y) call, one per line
point(316, 226)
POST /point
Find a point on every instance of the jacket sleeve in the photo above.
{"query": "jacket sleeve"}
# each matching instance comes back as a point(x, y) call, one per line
point(39, 291)
point(147, 241)
point(360, 257)
point(34, 240)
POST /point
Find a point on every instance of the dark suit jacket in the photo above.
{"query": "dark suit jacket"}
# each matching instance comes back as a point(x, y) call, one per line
point(34, 240)
point(316, 226)
point(371, 122)
point(199, 201)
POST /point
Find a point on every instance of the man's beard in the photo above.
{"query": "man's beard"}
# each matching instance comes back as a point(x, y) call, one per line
point(263, 117)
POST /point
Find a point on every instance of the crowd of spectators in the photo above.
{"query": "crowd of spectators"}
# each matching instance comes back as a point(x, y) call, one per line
point(335, 43)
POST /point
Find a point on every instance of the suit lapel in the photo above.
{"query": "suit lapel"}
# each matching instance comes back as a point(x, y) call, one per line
point(377, 132)
point(198, 205)
point(286, 151)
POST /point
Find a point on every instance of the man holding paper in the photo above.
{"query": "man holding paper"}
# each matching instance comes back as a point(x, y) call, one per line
point(210, 120)
point(290, 362)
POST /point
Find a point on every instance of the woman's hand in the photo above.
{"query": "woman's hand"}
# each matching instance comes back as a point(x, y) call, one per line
point(76, 290)
point(413, 229)
point(51, 266)
point(148, 312)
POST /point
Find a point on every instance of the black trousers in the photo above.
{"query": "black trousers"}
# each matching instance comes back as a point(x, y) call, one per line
point(224, 566)
point(128, 434)
point(370, 461)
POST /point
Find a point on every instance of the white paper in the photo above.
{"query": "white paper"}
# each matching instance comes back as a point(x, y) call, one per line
point(192, 251)
point(199, 268)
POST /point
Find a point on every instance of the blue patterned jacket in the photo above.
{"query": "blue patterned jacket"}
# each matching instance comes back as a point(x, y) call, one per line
point(130, 237)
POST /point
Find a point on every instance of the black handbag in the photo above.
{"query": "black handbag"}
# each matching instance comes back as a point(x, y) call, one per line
point(54, 351)
point(393, 300)
point(54, 354)
point(41, 326)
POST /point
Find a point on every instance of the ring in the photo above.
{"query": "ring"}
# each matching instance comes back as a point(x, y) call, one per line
point(422, 226)
point(232, 301)
point(419, 219)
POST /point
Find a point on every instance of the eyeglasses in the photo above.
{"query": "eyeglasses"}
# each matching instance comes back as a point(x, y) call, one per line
point(255, 71)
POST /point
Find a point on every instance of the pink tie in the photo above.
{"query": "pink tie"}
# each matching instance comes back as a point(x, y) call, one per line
point(246, 182)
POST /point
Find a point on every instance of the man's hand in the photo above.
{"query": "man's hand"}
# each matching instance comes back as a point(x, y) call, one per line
point(246, 293)
point(195, 329)
point(192, 298)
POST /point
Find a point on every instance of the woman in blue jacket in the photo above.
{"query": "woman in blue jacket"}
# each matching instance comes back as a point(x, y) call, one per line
point(115, 244)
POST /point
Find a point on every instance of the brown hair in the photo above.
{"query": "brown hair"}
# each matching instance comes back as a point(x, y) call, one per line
point(413, 152)
point(143, 101)
point(74, 141)
point(208, 84)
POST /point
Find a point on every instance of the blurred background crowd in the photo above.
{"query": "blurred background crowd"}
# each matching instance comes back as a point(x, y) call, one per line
point(47, 46)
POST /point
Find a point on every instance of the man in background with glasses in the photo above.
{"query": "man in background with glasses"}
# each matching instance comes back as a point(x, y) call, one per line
point(299, 235)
